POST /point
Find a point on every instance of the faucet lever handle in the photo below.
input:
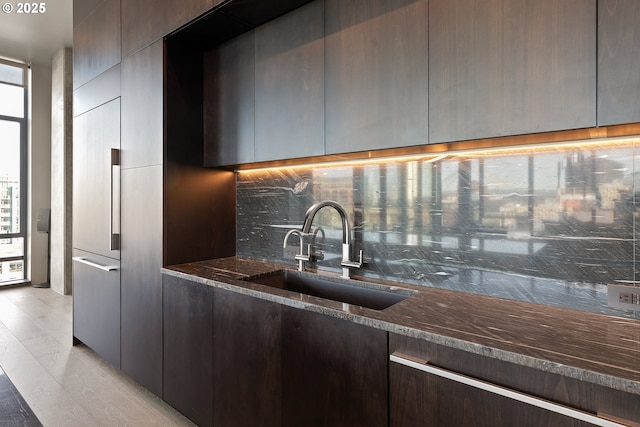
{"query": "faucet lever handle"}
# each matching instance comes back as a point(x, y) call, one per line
point(354, 264)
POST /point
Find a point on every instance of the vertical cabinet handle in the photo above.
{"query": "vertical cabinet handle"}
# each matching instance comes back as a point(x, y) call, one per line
point(424, 366)
point(114, 209)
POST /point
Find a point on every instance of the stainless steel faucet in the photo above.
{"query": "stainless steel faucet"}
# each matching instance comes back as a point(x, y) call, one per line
point(301, 257)
point(347, 263)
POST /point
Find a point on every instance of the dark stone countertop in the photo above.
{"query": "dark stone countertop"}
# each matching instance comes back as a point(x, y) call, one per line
point(599, 349)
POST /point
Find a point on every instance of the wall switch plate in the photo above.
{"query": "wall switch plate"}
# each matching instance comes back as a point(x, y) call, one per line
point(624, 297)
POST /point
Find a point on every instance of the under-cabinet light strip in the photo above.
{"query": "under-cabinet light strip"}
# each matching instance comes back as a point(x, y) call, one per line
point(502, 391)
point(430, 157)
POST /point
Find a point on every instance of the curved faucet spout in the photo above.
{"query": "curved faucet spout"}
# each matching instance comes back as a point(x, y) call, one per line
point(289, 233)
point(313, 210)
point(347, 261)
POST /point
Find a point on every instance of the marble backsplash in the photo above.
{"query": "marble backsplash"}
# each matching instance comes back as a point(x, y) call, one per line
point(548, 224)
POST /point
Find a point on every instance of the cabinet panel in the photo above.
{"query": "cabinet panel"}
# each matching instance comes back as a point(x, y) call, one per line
point(418, 398)
point(141, 311)
point(289, 78)
point(142, 107)
point(246, 361)
point(146, 21)
point(229, 102)
point(102, 89)
point(96, 304)
point(618, 62)
point(334, 372)
point(505, 67)
point(82, 9)
point(449, 403)
point(376, 74)
point(188, 348)
point(96, 43)
point(95, 181)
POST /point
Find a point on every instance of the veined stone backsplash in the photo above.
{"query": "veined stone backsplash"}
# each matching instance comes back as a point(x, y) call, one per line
point(550, 224)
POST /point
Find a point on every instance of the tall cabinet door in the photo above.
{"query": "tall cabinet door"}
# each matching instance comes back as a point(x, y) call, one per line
point(142, 157)
point(96, 180)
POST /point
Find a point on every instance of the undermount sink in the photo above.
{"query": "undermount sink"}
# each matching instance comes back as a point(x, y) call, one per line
point(364, 294)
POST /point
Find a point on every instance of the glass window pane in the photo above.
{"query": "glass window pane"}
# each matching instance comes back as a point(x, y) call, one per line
point(11, 247)
point(11, 100)
point(11, 74)
point(9, 177)
point(11, 270)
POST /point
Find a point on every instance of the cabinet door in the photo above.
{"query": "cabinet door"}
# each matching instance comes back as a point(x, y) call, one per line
point(188, 348)
point(229, 107)
point(141, 316)
point(82, 9)
point(507, 67)
point(618, 62)
point(96, 178)
point(334, 372)
point(376, 74)
point(246, 361)
point(146, 21)
point(96, 42)
point(143, 107)
point(428, 399)
point(289, 78)
point(471, 391)
point(96, 304)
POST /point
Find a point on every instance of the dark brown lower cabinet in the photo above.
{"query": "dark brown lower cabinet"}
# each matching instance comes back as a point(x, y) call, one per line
point(419, 398)
point(276, 365)
point(246, 361)
point(334, 372)
point(188, 348)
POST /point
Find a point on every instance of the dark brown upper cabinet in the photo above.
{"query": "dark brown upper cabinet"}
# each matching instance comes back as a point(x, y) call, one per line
point(618, 62)
point(142, 107)
point(507, 67)
point(376, 74)
point(229, 102)
point(145, 21)
point(289, 79)
point(96, 43)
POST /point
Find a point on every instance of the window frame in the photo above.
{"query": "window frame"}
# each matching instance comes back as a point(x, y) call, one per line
point(24, 173)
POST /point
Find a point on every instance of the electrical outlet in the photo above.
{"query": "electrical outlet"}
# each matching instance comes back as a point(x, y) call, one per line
point(624, 297)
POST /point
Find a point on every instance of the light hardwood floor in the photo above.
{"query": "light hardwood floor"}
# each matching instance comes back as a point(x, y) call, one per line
point(66, 385)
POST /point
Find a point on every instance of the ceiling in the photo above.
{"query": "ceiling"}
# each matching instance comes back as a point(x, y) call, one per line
point(35, 37)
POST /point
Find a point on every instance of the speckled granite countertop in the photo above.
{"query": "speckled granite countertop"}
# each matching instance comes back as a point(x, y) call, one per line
point(595, 348)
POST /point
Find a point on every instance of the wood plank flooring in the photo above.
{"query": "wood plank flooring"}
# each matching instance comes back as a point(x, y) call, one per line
point(65, 385)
